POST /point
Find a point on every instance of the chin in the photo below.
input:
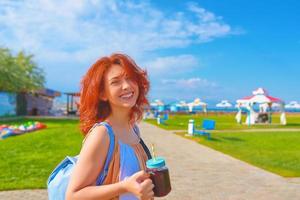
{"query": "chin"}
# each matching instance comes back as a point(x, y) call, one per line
point(127, 105)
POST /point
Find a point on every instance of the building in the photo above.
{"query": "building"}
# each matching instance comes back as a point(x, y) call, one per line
point(39, 102)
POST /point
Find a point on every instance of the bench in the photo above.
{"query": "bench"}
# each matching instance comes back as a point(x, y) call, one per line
point(207, 125)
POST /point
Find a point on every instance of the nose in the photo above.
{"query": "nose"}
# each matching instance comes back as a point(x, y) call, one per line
point(125, 84)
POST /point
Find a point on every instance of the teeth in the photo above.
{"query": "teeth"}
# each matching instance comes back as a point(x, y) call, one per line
point(127, 95)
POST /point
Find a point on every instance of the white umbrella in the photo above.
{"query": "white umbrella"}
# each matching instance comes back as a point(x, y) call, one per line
point(157, 102)
point(224, 104)
point(276, 105)
point(196, 102)
point(182, 104)
point(293, 105)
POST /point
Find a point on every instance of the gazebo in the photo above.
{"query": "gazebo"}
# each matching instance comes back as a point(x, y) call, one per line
point(158, 105)
point(292, 105)
point(181, 106)
point(265, 101)
point(196, 104)
point(224, 104)
point(72, 102)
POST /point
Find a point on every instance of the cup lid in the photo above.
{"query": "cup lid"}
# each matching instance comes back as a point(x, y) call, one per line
point(156, 163)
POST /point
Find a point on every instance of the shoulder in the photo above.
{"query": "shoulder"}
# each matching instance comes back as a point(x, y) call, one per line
point(97, 140)
point(91, 158)
point(97, 134)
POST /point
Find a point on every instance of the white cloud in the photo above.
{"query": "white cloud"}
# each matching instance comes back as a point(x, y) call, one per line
point(188, 89)
point(203, 14)
point(66, 36)
point(83, 30)
point(191, 83)
point(172, 64)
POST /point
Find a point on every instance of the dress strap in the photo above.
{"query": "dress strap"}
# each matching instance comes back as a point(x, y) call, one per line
point(109, 156)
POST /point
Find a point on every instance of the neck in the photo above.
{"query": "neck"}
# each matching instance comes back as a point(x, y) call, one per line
point(119, 117)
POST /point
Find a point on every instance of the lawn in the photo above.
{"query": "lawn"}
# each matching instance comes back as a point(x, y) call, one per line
point(278, 152)
point(27, 160)
point(273, 150)
point(224, 121)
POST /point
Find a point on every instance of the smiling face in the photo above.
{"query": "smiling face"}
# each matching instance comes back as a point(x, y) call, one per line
point(121, 91)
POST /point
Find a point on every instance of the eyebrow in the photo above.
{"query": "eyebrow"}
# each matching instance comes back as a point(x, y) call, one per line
point(116, 77)
point(119, 76)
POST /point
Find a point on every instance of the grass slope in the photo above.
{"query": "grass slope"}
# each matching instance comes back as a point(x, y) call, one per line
point(27, 160)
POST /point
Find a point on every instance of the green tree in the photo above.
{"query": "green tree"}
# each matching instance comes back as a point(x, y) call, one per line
point(19, 74)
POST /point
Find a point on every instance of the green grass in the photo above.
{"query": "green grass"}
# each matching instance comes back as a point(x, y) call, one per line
point(27, 160)
point(224, 122)
point(278, 152)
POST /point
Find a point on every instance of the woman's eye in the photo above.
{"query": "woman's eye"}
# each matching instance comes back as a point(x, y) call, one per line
point(114, 82)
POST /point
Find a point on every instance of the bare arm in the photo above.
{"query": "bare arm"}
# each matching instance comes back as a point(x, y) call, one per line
point(91, 162)
point(98, 192)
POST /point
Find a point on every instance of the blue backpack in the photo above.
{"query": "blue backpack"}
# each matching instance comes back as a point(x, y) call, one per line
point(59, 179)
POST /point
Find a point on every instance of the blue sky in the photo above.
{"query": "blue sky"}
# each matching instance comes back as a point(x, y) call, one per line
point(213, 50)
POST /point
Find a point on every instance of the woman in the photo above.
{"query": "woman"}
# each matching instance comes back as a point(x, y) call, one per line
point(113, 91)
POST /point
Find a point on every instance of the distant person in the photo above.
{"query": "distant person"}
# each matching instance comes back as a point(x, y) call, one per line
point(112, 91)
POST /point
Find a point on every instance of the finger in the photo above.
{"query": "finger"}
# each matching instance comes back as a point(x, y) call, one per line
point(146, 183)
point(141, 175)
point(150, 189)
point(148, 196)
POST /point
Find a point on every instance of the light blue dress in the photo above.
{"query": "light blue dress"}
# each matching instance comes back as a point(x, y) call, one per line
point(129, 165)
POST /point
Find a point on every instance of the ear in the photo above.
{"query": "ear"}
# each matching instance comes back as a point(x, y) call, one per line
point(103, 97)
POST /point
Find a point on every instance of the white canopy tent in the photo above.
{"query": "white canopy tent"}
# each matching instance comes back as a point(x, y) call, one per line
point(293, 105)
point(158, 105)
point(276, 105)
point(224, 104)
point(157, 102)
point(195, 103)
point(181, 106)
point(261, 97)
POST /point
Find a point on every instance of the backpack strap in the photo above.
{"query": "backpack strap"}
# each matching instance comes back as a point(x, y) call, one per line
point(137, 132)
point(104, 172)
point(146, 149)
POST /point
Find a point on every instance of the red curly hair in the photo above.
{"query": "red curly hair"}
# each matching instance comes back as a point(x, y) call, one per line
point(92, 109)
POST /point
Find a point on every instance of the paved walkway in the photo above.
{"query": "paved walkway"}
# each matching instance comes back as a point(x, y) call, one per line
point(200, 173)
point(267, 130)
point(260, 130)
